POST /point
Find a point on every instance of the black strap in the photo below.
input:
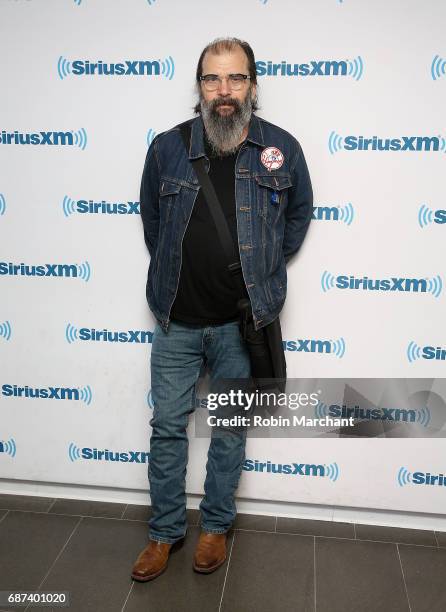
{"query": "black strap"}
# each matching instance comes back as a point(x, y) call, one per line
point(216, 210)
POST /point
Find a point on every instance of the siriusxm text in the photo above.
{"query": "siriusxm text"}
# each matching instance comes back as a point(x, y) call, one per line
point(382, 414)
point(307, 346)
point(108, 455)
point(106, 208)
point(405, 143)
point(295, 469)
point(312, 68)
point(136, 336)
point(57, 393)
point(125, 68)
point(387, 284)
point(11, 269)
point(432, 352)
point(37, 138)
point(427, 478)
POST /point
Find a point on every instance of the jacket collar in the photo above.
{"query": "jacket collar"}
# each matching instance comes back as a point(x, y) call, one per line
point(196, 147)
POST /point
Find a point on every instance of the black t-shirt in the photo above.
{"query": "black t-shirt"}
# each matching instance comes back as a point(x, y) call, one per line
point(207, 293)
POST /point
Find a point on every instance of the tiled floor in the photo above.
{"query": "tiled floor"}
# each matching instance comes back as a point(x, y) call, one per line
point(274, 564)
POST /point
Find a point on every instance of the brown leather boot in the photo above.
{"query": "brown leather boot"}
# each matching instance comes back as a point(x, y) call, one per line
point(152, 561)
point(210, 552)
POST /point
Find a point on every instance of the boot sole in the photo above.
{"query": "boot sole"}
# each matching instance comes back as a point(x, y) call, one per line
point(208, 570)
point(151, 577)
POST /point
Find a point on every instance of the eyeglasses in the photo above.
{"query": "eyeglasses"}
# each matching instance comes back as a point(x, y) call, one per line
point(212, 82)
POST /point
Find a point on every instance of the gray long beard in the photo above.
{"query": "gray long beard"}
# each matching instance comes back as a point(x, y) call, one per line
point(224, 132)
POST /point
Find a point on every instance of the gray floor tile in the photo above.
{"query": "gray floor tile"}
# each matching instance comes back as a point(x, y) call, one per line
point(357, 575)
point(81, 507)
point(95, 566)
point(316, 528)
point(424, 571)
point(395, 534)
point(29, 544)
point(25, 502)
point(255, 522)
point(136, 512)
point(2, 514)
point(270, 572)
point(180, 588)
point(441, 538)
point(142, 513)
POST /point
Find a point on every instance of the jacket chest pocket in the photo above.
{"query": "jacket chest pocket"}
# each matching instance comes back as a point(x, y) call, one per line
point(272, 195)
point(169, 200)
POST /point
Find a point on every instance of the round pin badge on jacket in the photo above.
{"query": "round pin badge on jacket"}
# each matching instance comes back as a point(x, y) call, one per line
point(272, 158)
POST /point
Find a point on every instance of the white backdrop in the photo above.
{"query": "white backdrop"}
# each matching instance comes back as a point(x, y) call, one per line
point(379, 213)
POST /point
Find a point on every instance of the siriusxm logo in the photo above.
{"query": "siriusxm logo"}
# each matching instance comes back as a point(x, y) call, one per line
point(8, 446)
point(2, 204)
point(79, 67)
point(77, 394)
point(344, 213)
point(421, 416)
point(438, 67)
point(404, 477)
point(426, 216)
point(70, 139)
point(90, 207)
point(75, 453)
point(82, 271)
point(415, 352)
point(5, 330)
point(335, 347)
point(330, 471)
point(344, 68)
point(131, 336)
point(409, 285)
point(404, 143)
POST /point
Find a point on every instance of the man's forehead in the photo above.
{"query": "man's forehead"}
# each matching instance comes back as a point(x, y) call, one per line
point(226, 61)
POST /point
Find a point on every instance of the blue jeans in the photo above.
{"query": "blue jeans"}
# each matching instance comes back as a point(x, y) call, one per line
point(177, 357)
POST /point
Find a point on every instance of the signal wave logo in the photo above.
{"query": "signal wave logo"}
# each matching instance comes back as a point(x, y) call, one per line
point(150, 136)
point(334, 347)
point(2, 205)
point(338, 143)
point(71, 138)
point(432, 285)
point(344, 68)
point(75, 453)
point(404, 478)
point(80, 67)
point(90, 207)
point(330, 471)
point(8, 447)
point(344, 213)
point(5, 330)
point(421, 417)
point(87, 334)
point(82, 271)
point(415, 352)
point(426, 216)
point(438, 67)
point(77, 394)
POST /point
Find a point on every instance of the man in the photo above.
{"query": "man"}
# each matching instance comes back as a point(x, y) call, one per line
point(261, 179)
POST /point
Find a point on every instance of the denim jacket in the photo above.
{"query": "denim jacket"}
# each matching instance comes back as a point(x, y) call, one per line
point(274, 208)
